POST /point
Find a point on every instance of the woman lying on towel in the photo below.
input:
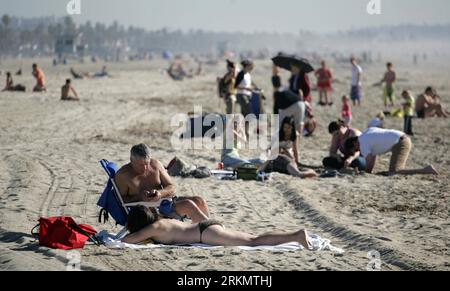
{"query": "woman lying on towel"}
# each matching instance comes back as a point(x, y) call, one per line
point(144, 224)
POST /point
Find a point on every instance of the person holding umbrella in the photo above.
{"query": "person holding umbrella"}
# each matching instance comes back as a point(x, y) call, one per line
point(291, 102)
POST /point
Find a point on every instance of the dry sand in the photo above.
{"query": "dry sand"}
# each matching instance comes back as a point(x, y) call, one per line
point(49, 153)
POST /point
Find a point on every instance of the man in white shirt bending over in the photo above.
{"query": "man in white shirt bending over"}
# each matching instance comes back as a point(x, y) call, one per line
point(376, 141)
point(356, 90)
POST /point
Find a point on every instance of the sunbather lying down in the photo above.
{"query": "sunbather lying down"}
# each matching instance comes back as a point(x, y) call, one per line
point(144, 224)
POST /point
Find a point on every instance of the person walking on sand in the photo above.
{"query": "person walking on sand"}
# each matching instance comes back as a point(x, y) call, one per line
point(65, 92)
point(324, 84)
point(39, 75)
point(356, 85)
point(144, 224)
point(376, 141)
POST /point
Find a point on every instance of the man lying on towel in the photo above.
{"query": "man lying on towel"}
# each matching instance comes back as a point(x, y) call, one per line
point(146, 180)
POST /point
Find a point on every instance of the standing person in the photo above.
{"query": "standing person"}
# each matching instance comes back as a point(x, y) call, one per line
point(324, 81)
point(65, 92)
point(408, 108)
point(356, 88)
point(376, 141)
point(39, 75)
point(347, 114)
point(276, 83)
point(300, 84)
point(245, 87)
point(389, 79)
point(229, 82)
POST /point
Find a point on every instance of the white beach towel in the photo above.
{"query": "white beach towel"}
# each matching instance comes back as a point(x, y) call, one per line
point(319, 244)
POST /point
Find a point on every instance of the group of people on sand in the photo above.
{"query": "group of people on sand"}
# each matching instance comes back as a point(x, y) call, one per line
point(292, 106)
point(145, 179)
point(68, 92)
point(37, 73)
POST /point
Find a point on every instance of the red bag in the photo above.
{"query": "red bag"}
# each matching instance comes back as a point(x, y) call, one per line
point(64, 233)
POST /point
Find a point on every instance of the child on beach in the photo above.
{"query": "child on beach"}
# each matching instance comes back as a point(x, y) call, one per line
point(347, 114)
point(378, 121)
point(408, 109)
point(389, 78)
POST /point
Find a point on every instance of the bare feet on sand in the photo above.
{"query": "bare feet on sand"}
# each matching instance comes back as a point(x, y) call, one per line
point(431, 170)
point(303, 238)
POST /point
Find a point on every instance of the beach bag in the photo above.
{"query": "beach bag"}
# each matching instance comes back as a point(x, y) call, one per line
point(178, 168)
point(201, 173)
point(64, 233)
point(247, 172)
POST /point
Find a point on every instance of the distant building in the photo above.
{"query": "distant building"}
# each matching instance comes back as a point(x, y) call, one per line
point(69, 45)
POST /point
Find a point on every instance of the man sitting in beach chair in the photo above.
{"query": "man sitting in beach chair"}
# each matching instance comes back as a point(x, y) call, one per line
point(146, 180)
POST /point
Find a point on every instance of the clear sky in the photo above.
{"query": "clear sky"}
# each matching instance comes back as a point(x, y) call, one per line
point(241, 15)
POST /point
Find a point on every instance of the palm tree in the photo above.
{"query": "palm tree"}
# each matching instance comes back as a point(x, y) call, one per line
point(6, 20)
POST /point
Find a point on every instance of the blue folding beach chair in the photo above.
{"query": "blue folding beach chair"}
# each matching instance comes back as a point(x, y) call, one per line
point(111, 201)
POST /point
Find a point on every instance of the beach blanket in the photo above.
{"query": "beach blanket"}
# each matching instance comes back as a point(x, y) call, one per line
point(319, 244)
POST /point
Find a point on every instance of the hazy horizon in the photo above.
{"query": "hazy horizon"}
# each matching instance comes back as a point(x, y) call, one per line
point(241, 15)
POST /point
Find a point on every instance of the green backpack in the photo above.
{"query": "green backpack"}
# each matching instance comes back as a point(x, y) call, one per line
point(247, 172)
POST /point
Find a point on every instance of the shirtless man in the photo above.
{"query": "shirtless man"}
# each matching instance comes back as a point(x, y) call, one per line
point(389, 79)
point(40, 79)
point(429, 104)
point(146, 180)
point(65, 91)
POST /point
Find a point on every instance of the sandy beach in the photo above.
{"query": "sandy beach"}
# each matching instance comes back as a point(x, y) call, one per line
point(49, 153)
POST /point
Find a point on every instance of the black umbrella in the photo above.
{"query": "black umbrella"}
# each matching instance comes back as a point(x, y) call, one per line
point(285, 61)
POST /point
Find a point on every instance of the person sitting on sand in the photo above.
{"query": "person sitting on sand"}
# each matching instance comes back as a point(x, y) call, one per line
point(102, 74)
point(77, 75)
point(376, 141)
point(146, 180)
point(10, 84)
point(340, 134)
point(65, 92)
point(231, 144)
point(40, 79)
point(429, 105)
point(287, 159)
point(144, 224)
